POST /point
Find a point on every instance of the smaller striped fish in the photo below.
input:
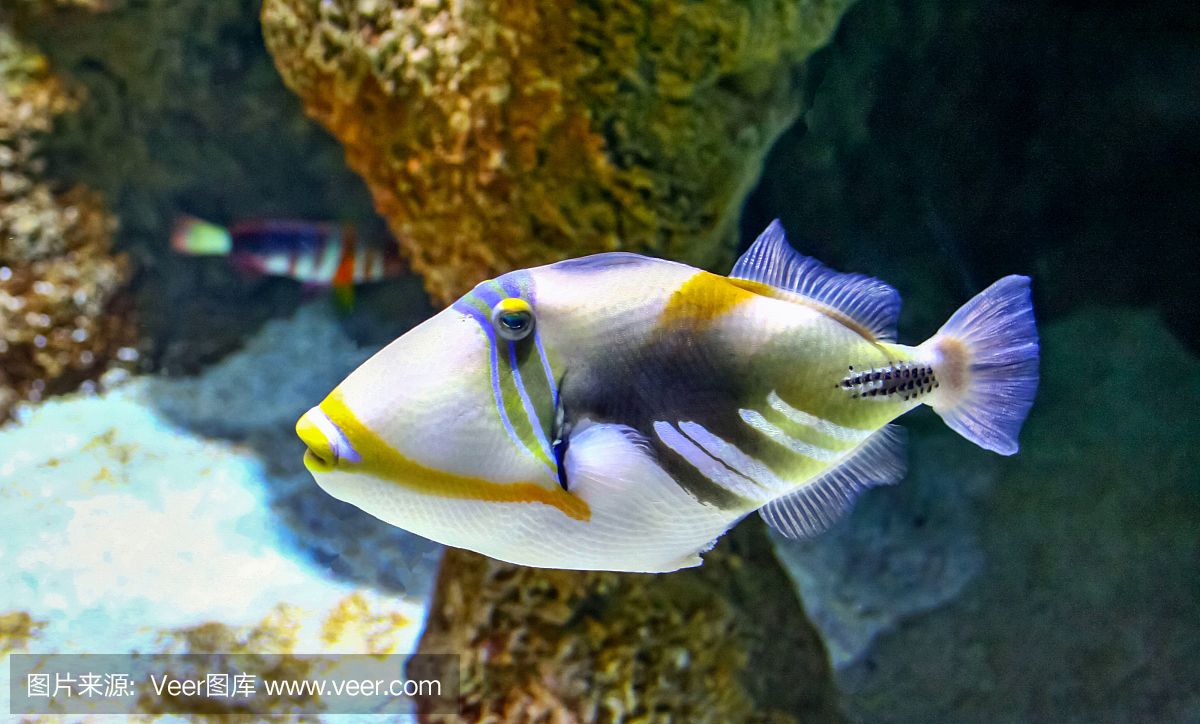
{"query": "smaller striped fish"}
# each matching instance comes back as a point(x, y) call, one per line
point(620, 413)
point(315, 253)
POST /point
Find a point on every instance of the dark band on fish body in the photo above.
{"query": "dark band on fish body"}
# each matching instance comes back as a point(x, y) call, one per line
point(679, 376)
point(294, 238)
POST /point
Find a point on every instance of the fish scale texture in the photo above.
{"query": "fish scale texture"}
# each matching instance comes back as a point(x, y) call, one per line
point(498, 135)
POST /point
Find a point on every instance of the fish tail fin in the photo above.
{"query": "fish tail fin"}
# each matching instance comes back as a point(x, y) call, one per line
point(196, 237)
point(343, 297)
point(985, 361)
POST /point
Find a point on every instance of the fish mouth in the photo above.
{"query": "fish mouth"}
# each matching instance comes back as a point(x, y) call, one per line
point(328, 447)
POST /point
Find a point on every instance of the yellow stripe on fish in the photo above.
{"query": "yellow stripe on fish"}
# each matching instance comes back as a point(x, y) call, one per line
point(701, 300)
point(380, 459)
point(706, 297)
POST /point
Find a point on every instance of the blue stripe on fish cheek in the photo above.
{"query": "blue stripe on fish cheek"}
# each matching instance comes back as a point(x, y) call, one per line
point(468, 305)
point(497, 393)
point(518, 284)
point(529, 408)
point(511, 286)
point(546, 369)
point(488, 293)
point(514, 405)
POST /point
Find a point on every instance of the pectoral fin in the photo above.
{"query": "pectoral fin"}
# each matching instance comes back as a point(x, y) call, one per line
point(614, 456)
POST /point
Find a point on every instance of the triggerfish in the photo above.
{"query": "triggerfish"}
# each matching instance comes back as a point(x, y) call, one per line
point(619, 412)
point(318, 254)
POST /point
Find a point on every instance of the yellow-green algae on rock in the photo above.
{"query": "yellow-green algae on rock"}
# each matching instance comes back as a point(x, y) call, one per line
point(727, 642)
point(17, 629)
point(496, 135)
point(275, 649)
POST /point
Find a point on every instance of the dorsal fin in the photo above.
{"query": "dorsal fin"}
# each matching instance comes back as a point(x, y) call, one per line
point(818, 504)
point(864, 301)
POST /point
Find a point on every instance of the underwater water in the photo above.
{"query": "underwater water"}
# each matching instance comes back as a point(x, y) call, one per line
point(213, 211)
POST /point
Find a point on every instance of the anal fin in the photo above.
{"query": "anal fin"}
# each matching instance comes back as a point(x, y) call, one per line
point(821, 502)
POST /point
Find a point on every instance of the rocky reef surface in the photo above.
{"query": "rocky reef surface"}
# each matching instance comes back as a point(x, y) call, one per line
point(170, 515)
point(1056, 585)
point(496, 136)
point(947, 143)
point(726, 642)
point(63, 317)
point(905, 549)
point(180, 110)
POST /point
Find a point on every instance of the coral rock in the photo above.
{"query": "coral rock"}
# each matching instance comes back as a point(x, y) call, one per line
point(503, 135)
point(62, 317)
point(721, 643)
point(182, 111)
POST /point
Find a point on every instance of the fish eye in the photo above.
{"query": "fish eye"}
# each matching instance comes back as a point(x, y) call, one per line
point(513, 319)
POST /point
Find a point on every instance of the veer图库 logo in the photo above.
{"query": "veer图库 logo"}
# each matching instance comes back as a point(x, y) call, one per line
point(257, 684)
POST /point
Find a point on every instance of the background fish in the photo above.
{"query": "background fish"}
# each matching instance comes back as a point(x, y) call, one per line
point(619, 412)
point(315, 253)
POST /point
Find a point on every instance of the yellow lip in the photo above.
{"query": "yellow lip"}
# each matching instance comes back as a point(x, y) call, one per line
point(384, 461)
point(316, 464)
point(319, 457)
